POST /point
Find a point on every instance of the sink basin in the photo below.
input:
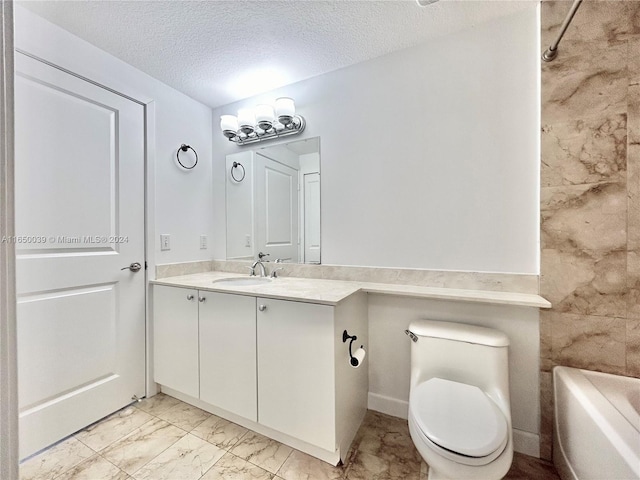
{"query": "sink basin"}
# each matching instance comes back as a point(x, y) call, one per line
point(243, 281)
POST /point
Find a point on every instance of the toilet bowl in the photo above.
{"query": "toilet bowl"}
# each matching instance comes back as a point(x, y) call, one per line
point(459, 413)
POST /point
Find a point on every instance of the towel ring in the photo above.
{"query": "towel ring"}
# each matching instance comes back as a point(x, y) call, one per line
point(184, 148)
point(236, 165)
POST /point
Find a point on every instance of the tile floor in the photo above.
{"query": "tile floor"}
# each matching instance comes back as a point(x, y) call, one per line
point(164, 438)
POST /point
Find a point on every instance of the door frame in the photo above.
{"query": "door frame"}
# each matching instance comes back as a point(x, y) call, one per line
point(8, 338)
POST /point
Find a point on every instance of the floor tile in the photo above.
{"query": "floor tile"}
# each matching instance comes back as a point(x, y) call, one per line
point(94, 468)
point(184, 416)
point(159, 450)
point(262, 451)
point(55, 460)
point(220, 432)
point(113, 428)
point(141, 446)
point(525, 467)
point(385, 451)
point(231, 467)
point(157, 404)
point(187, 459)
point(300, 466)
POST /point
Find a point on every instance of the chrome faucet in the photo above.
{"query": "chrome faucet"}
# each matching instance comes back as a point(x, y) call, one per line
point(263, 270)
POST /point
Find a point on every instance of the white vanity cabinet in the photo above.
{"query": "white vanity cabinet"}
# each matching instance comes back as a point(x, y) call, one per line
point(296, 363)
point(175, 339)
point(228, 353)
point(306, 386)
point(279, 367)
point(205, 347)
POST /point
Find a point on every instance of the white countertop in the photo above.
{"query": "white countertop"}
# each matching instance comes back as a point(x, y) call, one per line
point(331, 292)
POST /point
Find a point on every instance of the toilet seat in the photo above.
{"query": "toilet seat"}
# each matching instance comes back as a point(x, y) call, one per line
point(459, 420)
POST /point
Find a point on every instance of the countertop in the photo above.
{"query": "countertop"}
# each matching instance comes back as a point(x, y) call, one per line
point(332, 292)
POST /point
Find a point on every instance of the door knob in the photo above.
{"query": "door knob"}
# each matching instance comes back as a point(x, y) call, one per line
point(262, 308)
point(189, 297)
point(202, 299)
point(134, 267)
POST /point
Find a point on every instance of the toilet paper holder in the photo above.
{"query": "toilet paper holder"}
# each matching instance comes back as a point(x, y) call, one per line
point(353, 360)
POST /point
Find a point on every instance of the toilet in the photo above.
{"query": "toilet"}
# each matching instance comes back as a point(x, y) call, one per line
point(459, 410)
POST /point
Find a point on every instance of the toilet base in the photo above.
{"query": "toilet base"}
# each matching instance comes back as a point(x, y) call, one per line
point(433, 475)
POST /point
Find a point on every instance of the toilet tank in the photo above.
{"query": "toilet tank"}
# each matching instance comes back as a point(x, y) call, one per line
point(462, 353)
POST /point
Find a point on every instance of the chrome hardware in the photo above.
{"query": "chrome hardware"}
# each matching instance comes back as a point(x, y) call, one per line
point(202, 299)
point(411, 335)
point(279, 260)
point(189, 297)
point(134, 267)
point(262, 308)
point(552, 52)
point(252, 271)
point(263, 270)
point(274, 274)
point(262, 255)
point(135, 398)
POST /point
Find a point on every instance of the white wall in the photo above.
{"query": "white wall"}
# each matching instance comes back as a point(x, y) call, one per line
point(182, 202)
point(429, 155)
point(240, 207)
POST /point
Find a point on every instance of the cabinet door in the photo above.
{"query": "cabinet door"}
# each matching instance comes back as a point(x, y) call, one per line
point(296, 393)
point(175, 338)
point(228, 353)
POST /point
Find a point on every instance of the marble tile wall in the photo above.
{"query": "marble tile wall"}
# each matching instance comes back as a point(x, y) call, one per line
point(590, 194)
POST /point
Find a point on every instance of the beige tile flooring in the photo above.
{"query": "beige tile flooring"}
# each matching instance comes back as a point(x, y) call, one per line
point(164, 438)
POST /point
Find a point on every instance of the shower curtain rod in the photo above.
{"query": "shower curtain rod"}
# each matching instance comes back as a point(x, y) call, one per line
point(552, 52)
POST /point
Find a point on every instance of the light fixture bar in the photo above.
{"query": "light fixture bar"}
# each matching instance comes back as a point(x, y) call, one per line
point(258, 135)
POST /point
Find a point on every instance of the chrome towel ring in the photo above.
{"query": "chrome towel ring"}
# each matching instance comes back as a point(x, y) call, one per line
point(233, 167)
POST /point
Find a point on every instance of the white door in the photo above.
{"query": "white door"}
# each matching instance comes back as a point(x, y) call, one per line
point(312, 218)
point(80, 221)
point(276, 209)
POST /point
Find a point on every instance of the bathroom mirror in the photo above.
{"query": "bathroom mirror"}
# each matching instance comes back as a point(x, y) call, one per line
point(273, 202)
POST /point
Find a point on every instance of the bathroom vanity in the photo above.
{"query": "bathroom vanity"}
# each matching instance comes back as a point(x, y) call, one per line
point(270, 357)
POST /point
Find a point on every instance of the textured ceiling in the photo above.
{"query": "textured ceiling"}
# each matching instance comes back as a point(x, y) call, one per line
point(222, 51)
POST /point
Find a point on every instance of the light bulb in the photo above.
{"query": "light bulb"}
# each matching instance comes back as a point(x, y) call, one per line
point(246, 120)
point(229, 125)
point(285, 110)
point(265, 116)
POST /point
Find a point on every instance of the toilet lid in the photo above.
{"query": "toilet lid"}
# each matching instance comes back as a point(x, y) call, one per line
point(458, 417)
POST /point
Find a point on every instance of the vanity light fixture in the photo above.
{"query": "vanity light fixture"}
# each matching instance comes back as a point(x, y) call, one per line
point(263, 123)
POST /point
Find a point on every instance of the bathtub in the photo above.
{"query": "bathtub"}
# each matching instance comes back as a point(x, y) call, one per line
point(597, 425)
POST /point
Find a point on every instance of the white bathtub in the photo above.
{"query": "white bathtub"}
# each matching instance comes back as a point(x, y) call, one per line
point(597, 425)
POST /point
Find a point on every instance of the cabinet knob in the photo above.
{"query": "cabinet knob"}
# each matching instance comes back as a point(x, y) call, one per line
point(202, 299)
point(262, 308)
point(189, 297)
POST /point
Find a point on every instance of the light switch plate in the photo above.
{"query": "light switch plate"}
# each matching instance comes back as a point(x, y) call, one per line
point(165, 242)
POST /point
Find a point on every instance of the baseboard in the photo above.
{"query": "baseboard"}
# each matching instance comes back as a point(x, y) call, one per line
point(388, 405)
point(523, 442)
point(526, 442)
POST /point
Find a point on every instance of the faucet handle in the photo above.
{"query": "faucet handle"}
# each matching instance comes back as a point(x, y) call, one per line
point(262, 255)
point(279, 260)
point(274, 273)
point(252, 271)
